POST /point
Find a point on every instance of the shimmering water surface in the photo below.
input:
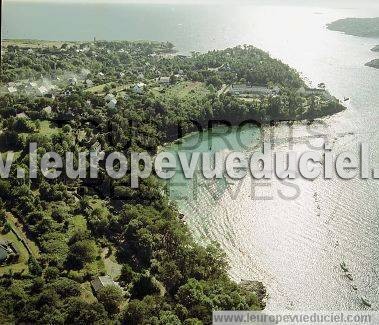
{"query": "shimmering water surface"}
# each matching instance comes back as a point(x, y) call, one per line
point(294, 246)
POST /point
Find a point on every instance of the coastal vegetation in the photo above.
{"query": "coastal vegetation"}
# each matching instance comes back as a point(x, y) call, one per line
point(141, 95)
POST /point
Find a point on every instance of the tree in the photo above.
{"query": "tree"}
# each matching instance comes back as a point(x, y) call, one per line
point(111, 297)
point(82, 313)
point(82, 252)
point(34, 266)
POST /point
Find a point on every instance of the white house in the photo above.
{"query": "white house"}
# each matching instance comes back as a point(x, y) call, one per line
point(163, 80)
point(112, 103)
point(109, 97)
point(89, 83)
point(42, 90)
point(238, 89)
point(31, 86)
point(139, 88)
point(121, 74)
point(47, 110)
point(73, 81)
point(101, 282)
point(12, 90)
point(85, 72)
point(22, 115)
point(100, 75)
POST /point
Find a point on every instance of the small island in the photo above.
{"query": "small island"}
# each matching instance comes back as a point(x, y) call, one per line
point(362, 27)
point(373, 64)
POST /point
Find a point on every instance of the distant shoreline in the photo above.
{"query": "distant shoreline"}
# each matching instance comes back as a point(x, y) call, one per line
point(360, 27)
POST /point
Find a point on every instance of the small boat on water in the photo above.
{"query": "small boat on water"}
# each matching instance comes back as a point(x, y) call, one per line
point(345, 99)
point(349, 276)
point(365, 302)
point(354, 287)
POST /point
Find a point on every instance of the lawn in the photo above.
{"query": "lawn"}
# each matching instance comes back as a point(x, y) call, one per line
point(22, 264)
point(17, 226)
point(183, 90)
point(23, 259)
point(99, 89)
point(46, 128)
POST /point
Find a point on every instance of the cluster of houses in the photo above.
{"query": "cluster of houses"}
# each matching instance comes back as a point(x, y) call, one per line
point(316, 91)
point(111, 101)
point(245, 89)
point(8, 252)
point(251, 90)
point(43, 88)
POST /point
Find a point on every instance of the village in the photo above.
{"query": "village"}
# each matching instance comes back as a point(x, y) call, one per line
point(145, 75)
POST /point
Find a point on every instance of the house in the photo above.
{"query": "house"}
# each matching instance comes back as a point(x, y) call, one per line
point(121, 74)
point(22, 115)
point(139, 88)
point(112, 103)
point(316, 92)
point(51, 95)
point(101, 282)
point(47, 110)
point(42, 90)
point(85, 72)
point(73, 81)
point(3, 254)
point(238, 89)
point(31, 86)
point(109, 97)
point(12, 90)
point(89, 83)
point(163, 80)
point(100, 75)
point(141, 76)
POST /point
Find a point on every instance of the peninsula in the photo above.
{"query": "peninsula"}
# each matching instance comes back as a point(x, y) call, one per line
point(373, 64)
point(106, 252)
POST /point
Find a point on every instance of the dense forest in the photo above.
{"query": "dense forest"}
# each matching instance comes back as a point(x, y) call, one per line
point(81, 227)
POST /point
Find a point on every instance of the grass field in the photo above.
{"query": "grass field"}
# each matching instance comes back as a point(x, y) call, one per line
point(22, 264)
point(183, 90)
point(99, 89)
point(23, 259)
point(46, 128)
